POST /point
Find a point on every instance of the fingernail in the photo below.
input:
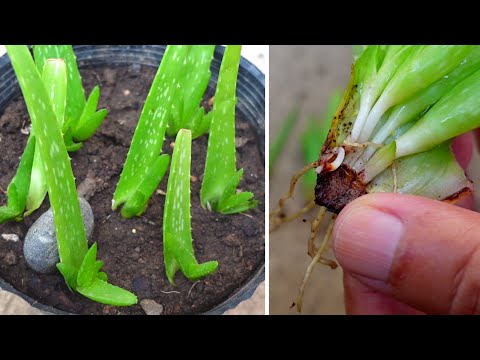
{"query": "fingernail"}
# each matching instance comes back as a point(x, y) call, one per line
point(366, 240)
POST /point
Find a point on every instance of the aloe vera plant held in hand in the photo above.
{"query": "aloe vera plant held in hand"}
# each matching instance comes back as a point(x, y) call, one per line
point(78, 264)
point(393, 129)
point(221, 179)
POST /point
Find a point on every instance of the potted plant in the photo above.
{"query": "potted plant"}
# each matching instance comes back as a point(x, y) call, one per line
point(131, 249)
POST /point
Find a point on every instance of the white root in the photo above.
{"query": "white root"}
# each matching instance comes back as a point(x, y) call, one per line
point(339, 159)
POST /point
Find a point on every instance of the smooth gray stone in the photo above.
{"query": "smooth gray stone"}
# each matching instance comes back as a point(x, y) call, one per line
point(40, 247)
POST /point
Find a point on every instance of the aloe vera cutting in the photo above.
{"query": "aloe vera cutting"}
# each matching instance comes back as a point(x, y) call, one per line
point(177, 232)
point(392, 132)
point(173, 103)
point(221, 178)
point(78, 118)
point(78, 264)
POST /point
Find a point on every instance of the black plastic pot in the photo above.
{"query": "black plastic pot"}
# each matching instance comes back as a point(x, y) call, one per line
point(251, 104)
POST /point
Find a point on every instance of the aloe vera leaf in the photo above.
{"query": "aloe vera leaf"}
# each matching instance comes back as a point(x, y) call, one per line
point(381, 160)
point(90, 108)
point(454, 114)
point(434, 174)
point(91, 119)
point(177, 233)
point(236, 200)
point(414, 107)
point(200, 124)
point(357, 50)
point(137, 204)
point(101, 291)
point(92, 283)
point(72, 242)
point(70, 232)
point(75, 94)
point(231, 187)
point(281, 139)
point(193, 79)
point(420, 70)
point(88, 270)
point(243, 207)
point(17, 191)
point(150, 132)
point(85, 132)
point(221, 162)
point(220, 165)
point(55, 80)
point(80, 114)
point(377, 78)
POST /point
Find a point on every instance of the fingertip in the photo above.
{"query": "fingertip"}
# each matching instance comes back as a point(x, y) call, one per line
point(462, 147)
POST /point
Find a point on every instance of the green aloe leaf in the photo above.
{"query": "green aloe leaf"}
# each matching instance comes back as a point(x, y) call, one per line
point(17, 191)
point(193, 82)
point(137, 204)
point(149, 136)
point(434, 174)
point(177, 232)
point(220, 165)
point(55, 80)
point(75, 258)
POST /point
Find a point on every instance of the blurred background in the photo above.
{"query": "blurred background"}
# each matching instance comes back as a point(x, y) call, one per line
point(306, 78)
point(302, 77)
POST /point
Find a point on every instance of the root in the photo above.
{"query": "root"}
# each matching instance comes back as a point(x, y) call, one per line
point(276, 222)
point(317, 258)
point(315, 227)
point(281, 203)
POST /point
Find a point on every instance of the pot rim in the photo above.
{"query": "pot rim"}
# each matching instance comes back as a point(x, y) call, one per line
point(243, 293)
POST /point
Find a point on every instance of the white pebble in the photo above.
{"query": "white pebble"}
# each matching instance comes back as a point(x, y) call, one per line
point(10, 237)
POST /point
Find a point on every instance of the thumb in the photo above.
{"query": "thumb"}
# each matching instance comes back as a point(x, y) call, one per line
point(422, 252)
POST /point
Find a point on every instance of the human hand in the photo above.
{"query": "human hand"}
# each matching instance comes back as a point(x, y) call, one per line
point(403, 254)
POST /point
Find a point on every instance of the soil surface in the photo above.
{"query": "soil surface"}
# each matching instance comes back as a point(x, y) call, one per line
point(132, 249)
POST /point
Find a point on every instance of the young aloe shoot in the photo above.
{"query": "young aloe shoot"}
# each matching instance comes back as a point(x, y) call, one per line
point(173, 103)
point(78, 264)
point(221, 178)
point(186, 112)
point(81, 119)
point(145, 167)
point(393, 129)
point(17, 191)
point(177, 232)
point(77, 117)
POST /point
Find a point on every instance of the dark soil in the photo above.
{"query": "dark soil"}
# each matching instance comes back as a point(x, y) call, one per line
point(336, 189)
point(132, 250)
